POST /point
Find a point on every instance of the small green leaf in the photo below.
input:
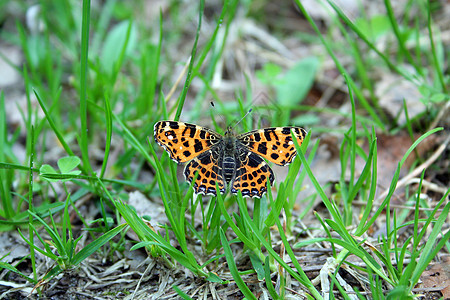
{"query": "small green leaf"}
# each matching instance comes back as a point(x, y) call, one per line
point(375, 27)
point(114, 43)
point(214, 278)
point(333, 225)
point(47, 169)
point(257, 265)
point(67, 164)
point(181, 293)
point(438, 97)
point(269, 73)
point(424, 90)
point(296, 83)
point(306, 120)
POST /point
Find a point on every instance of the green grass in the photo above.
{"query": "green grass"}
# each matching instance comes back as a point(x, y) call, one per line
point(102, 77)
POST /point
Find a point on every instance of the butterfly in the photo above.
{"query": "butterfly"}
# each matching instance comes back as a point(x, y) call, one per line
point(232, 161)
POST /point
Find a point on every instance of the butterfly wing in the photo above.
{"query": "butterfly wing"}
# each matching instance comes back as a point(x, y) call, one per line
point(208, 164)
point(184, 141)
point(251, 175)
point(274, 144)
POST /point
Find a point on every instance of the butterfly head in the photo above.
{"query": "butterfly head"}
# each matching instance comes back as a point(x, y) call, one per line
point(229, 131)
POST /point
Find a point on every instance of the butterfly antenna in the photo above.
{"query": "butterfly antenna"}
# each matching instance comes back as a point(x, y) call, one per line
point(220, 115)
point(225, 122)
point(249, 111)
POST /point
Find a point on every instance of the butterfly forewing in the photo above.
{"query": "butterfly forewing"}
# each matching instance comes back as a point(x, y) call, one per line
point(274, 144)
point(184, 141)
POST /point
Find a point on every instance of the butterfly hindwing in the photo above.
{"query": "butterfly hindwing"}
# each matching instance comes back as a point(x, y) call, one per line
point(209, 172)
point(252, 174)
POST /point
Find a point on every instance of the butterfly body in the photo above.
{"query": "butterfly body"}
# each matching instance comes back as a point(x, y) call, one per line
point(230, 161)
point(233, 161)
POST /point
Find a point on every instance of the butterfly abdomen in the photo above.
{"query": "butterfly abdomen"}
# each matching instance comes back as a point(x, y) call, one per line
point(229, 168)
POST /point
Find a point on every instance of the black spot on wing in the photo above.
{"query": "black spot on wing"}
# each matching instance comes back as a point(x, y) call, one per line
point(262, 149)
point(173, 124)
point(286, 130)
point(192, 132)
point(254, 161)
point(198, 146)
point(267, 135)
point(205, 159)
